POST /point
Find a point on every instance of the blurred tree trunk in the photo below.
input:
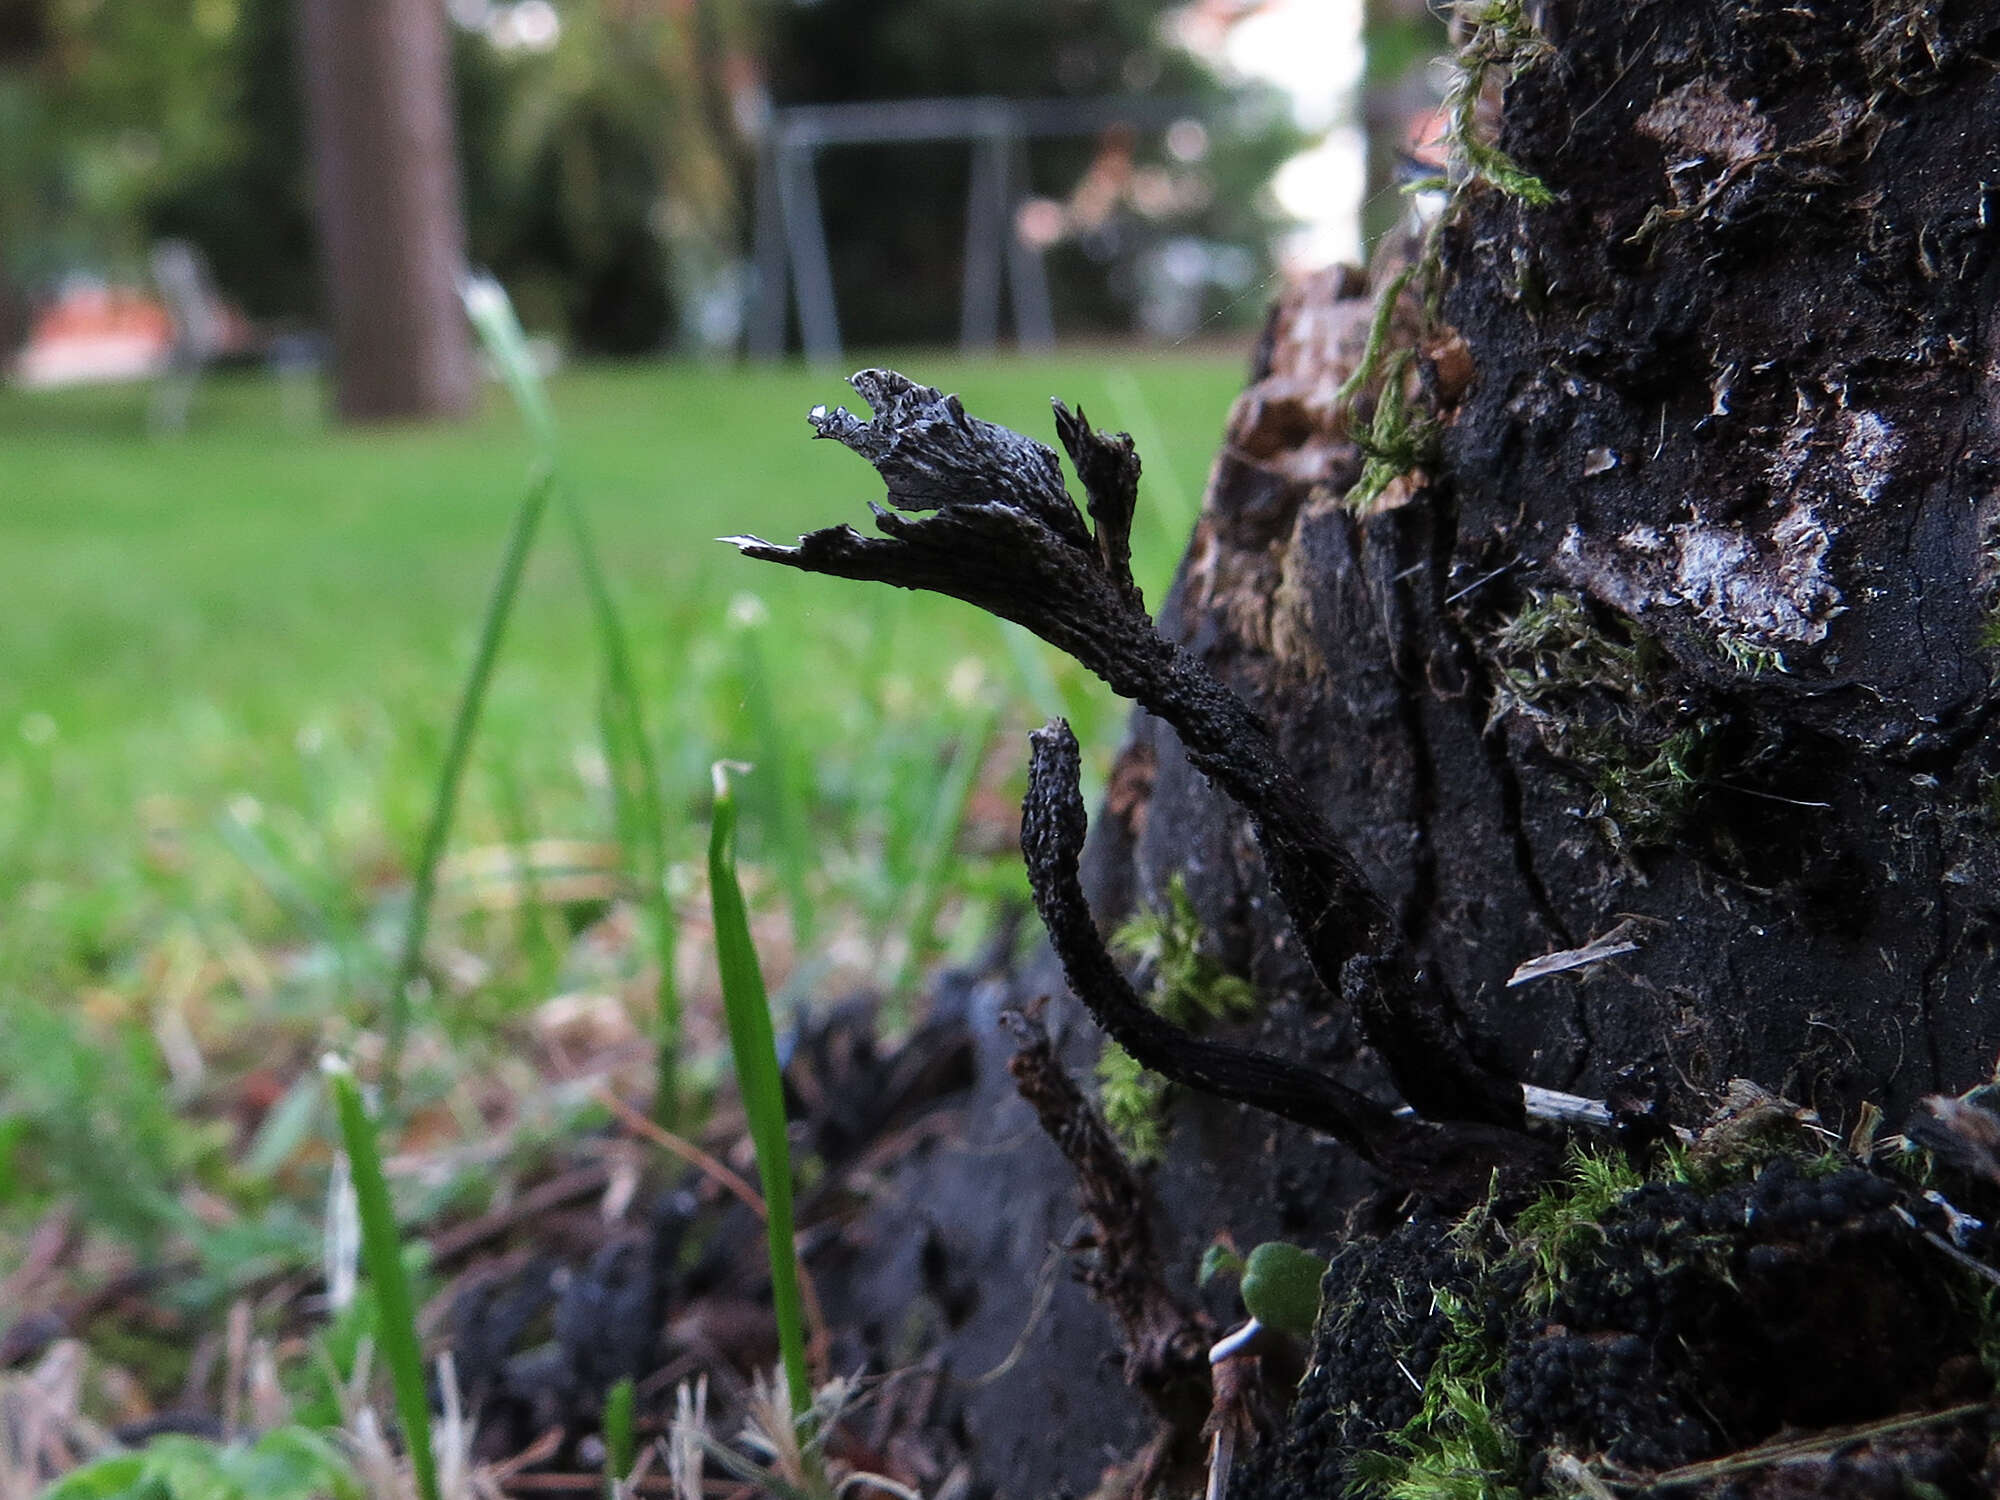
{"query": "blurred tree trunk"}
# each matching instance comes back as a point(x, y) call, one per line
point(392, 238)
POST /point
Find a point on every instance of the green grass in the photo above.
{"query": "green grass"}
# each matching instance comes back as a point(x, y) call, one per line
point(760, 1083)
point(247, 611)
point(232, 660)
point(382, 1254)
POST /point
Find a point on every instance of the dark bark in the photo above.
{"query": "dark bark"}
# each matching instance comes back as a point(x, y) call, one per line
point(1678, 625)
point(392, 239)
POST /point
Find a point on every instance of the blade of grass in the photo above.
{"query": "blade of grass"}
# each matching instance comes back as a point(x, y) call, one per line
point(786, 798)
point(1036, 678)
point(382, 1255)
point(316, 904)
point(620, 1451)
point(637, 807)
point(533, 918)
point(754, 1046)
point(491, 313)
point(1167, 498)
point(940, 842)
point(499, 605)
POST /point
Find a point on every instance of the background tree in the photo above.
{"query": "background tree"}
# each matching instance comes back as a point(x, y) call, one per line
point(385, 164)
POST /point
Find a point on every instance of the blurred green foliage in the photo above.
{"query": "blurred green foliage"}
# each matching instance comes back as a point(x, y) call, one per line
point(607, 178)
point(286, 1463)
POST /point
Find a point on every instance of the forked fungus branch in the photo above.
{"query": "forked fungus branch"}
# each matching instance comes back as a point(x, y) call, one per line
point(981, 513)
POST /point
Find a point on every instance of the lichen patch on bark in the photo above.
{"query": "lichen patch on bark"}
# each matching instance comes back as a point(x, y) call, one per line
point(1769, 589)
point(1702, 119)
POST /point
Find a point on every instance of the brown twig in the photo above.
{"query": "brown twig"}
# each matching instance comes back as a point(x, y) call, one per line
point(1810, 1445)
point(685, 1149)
point(1166, 1345)
point(559, 1191)
point(819, 1345)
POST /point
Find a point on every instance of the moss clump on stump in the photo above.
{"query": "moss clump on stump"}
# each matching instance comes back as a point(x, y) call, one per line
point(1634, 1331)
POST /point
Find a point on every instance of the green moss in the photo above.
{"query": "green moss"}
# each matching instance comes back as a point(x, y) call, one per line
point(1500, 1282)
point(1455, 1447)
point(1499, 38)
point(1566, 1221)
point(1584, 688)
point(1552, 645)
point(1134, 1104)
point(1188, 986)
point(1396, 441)
point(1747, 657)
point(1646, 797)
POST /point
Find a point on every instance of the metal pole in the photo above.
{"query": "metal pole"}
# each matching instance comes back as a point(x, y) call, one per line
point(1027, 275)
point(805, 238)
point(986, 206)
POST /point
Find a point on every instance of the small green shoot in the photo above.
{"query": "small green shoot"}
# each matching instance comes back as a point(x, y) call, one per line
point(1281, 1287)
point(382, 1255)
point(620, 1448)
point(753, 1045)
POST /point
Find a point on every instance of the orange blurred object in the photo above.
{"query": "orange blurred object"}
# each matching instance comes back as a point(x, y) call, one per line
point(98, 332)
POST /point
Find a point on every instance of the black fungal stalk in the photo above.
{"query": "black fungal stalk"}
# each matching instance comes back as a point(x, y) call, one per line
point(981, 514)
point(1052, 831)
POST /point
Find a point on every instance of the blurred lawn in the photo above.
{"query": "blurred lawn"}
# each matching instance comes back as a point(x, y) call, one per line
point(230, 657)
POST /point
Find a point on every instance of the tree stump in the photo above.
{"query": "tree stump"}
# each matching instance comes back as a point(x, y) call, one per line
point(1635, 632)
